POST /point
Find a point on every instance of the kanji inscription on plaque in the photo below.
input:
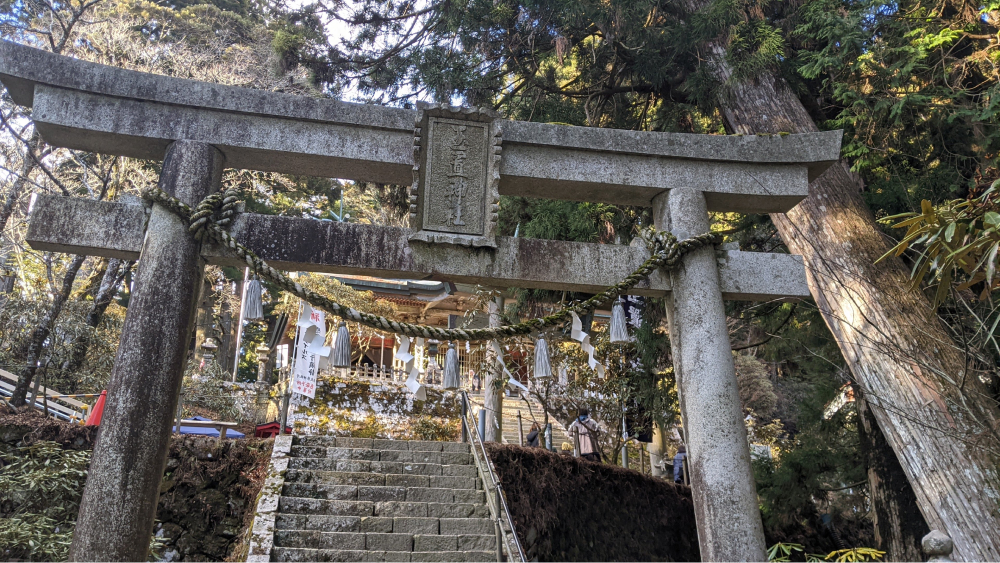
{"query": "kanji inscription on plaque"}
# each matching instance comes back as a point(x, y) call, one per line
point(454, 196)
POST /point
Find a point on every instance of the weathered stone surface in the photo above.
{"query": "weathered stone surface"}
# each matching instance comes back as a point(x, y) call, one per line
point(477, 543)
point(376, 524)
point(454, 196)
point(297, 505)
point(379, 494)
point(105, 109)
point(323, 522)
point(408, 481)
point(424, 494)
point(407, 509)
point(435, 543)
point(119, 500)
point(463, 526)
point(319, 540)
point(459, 470)
point(389, 542)
point(407, 525)
point(322, 491)
point(335, 477)
point(725, 499)
point(449, 482)
point(350, 248)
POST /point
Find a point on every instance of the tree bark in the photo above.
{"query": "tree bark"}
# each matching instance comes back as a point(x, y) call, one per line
point(42, 331)
point(939, 418)
point(113, 274)
point(899, 526)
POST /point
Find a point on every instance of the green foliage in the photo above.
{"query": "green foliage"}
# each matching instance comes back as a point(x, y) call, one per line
point(781, 552)
point(40, 490)
point(914, 86)
point(785, 552)
point(209, 387)
point(957, 243)
point(822, 455)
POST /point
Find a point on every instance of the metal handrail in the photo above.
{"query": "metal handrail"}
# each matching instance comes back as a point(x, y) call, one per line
point(483, 460)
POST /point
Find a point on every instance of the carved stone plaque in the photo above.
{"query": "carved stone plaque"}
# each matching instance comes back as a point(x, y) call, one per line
point(454, 196)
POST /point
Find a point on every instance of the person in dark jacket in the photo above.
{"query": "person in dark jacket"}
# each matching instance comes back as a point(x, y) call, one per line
point(679, 464)
point(533, 435)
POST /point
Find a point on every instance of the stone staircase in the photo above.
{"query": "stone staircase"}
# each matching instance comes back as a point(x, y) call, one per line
point(513, 405)
point(362, 499)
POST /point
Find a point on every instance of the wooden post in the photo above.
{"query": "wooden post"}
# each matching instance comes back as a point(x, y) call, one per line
point(520, 430)
point(180, 412)
point(119, 501)
point(722, 486)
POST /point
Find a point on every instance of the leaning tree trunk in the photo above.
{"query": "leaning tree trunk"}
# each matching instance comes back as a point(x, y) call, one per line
point(899, 526)
point(41, 333)
point(937, 416)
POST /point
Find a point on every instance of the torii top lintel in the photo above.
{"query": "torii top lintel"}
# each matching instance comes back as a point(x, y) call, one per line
point(88, 106)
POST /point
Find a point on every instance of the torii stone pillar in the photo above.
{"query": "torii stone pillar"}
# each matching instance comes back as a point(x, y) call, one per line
point(119, 500)
point(725, 498)
point(493, 396)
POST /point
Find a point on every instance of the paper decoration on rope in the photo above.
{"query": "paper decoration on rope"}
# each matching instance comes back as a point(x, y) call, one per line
point(403, 354)
point(415, 387)
point(342, 347)
point(617, 330)
point(253, 305)
point(543, 369)
point(450, 379)
point(511, 380)
point(576, 333)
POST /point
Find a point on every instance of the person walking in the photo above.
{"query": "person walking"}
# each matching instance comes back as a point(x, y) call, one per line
point(532, 438)
point(587, 430)
point(679, 464)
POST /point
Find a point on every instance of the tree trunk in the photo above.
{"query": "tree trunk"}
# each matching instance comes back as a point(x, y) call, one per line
point(937, 417)
point(899, 526)
point(42, 331)
point(113, 274)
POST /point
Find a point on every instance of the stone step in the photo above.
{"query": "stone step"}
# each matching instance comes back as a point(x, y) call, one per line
point(381, 493)
point(298, 505)
point(365, 454)
point(381, 445)
point(376, 541)
point(298, 554)
point(382, 479)
point(384, 525)
point(395, 467)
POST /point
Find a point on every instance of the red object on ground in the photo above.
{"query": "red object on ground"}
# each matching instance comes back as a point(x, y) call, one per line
point(269, 430)
point(95, 415)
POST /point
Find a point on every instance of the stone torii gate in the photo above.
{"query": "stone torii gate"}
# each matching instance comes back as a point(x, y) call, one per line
point(458, 162)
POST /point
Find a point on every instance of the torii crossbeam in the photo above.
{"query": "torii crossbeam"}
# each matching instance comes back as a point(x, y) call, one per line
point(457, 161)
